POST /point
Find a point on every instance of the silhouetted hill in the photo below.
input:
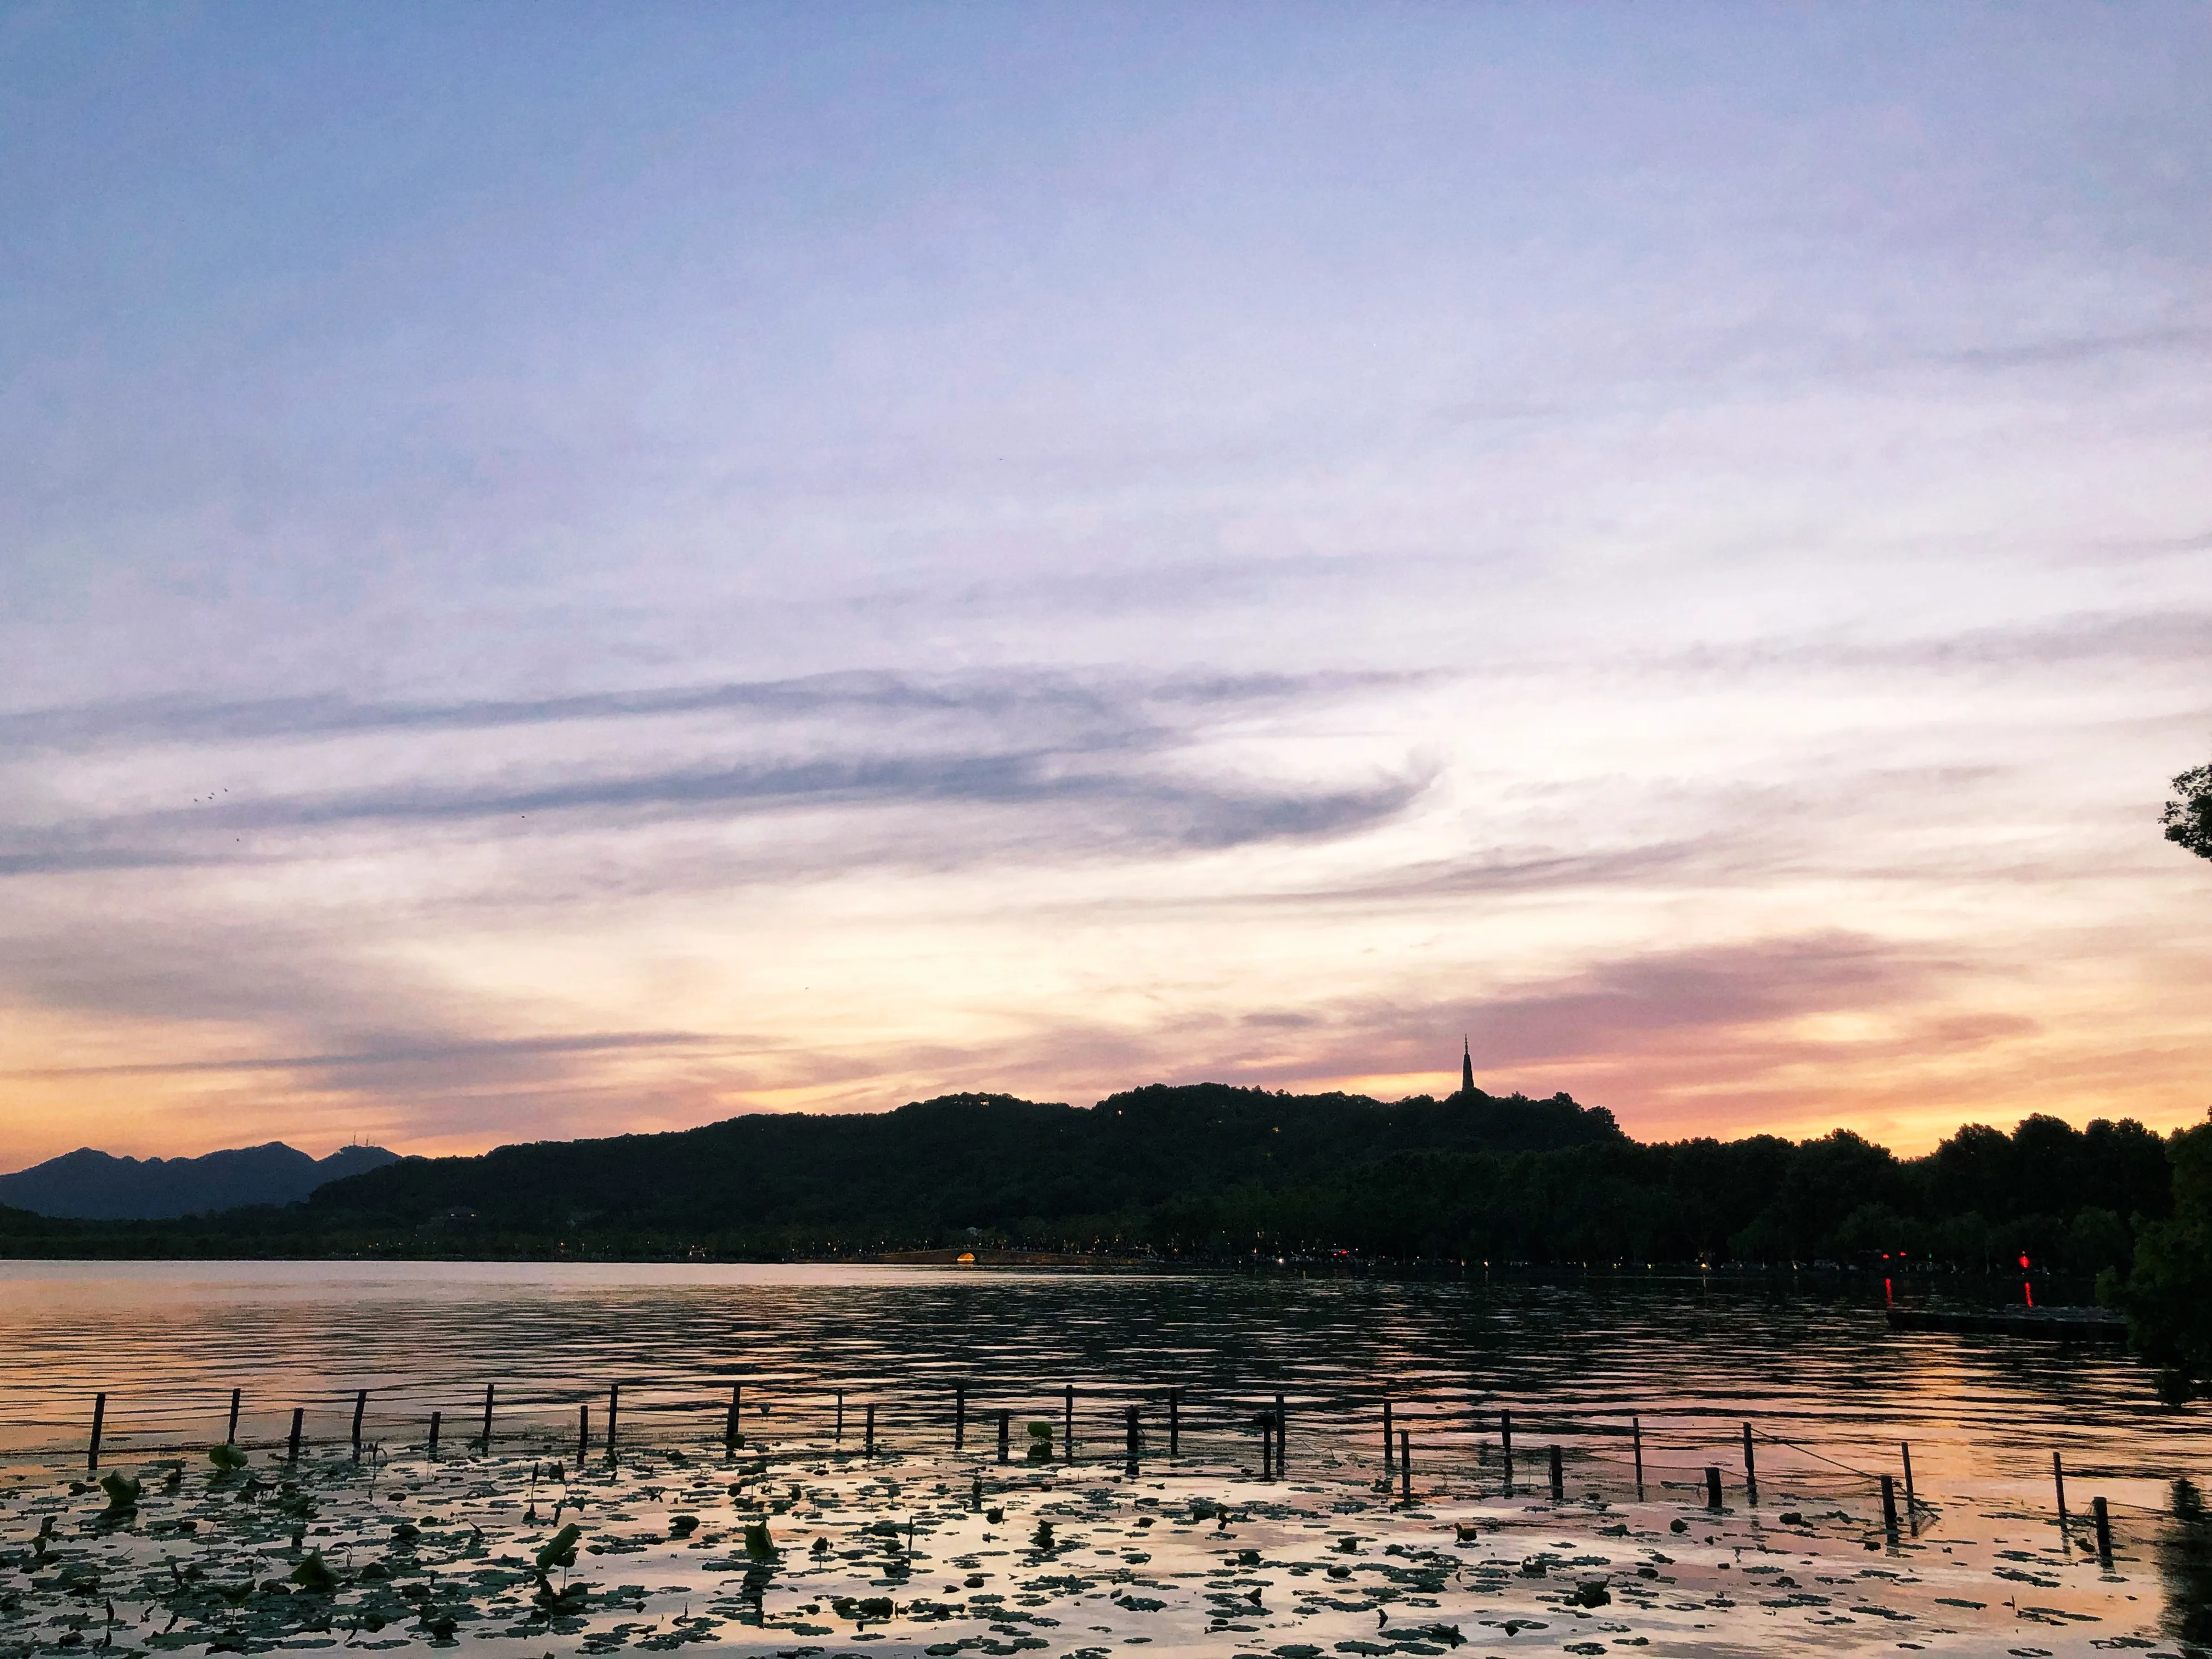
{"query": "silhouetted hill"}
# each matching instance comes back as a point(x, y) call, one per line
point(97, 1186)
point(971, 1160)
point(1211, 1173)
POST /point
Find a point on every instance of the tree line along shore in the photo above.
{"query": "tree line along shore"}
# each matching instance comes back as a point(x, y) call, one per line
point(1211, 1172)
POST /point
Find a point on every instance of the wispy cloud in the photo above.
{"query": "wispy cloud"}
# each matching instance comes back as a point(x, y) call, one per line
point(2166, 638)
point(1076, 554)
point(1083, 765)
point(402, 1053)
point(1711, 1039)
point(1109, 704)
point(2065, 351)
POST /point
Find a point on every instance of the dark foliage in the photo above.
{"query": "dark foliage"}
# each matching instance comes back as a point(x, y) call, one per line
point(1216, 1172)
point(2168, 1297)
point(2188, 816)
point(963, 1160)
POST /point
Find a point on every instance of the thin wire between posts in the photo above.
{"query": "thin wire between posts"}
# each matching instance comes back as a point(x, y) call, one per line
point(1796, 1445)
point(1219, 1432)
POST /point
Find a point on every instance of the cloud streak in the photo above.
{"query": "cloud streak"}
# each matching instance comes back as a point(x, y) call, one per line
point(399, 1054)
point(1114, 704)
point(926, 554)
point(1043, 751)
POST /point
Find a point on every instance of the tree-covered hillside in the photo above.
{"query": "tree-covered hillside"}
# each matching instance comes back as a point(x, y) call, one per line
point(917, 1174)
point(1210, 1172)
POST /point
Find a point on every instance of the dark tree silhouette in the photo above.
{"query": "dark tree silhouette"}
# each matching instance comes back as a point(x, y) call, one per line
point(2169, 1295)
point(2188, 816)
point(1213, 1172)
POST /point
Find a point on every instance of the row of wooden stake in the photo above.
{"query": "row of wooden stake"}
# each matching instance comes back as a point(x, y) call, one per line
point(1397, 1446)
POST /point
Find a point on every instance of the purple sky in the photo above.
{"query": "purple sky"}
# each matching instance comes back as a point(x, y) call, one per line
point(565, 569)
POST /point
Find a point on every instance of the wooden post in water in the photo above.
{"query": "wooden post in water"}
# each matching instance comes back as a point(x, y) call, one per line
point(1133, 1440)
point(1712, 1487)
point(1889, 1506)
point(489, 1388)
point(959, 1416)
point(1506, 1443)
point(292, 1445)
point(1006, 1436)
point(1390, 1447)
point(1282, 1438)
point(99, 1423)
point(1636, 1434)
point(1558, 1476)
point(732, 1434)
point(230, 1434)
point(436, 1418)
point(614, 1415)
point(840, 1416)
point(2058, 1479)
point(2104, 1521)
point(1067, 1422)
point(868, 1447)
point(360, 1411)
point(1174, 1422)
point(1406, 1465)
point(583, 1433)
point(1750, 1468)
point(1912, 1503)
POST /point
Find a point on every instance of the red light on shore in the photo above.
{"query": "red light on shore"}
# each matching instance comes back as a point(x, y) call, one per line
point(2023, 1262)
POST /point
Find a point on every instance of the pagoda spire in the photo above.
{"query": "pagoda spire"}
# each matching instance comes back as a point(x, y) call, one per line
point(1466, 1067)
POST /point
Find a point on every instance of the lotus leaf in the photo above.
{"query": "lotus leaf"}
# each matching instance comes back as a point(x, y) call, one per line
point(569, 1599)
point(313, 1575)
point(558, 1551)
point(123, 1492)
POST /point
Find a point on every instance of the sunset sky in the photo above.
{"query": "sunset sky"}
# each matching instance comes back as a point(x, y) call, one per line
point(575, 568)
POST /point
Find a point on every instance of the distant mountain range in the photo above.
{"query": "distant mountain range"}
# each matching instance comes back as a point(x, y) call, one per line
point(96, 1186)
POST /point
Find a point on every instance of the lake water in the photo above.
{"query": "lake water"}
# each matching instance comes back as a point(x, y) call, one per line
point(1573, 1360)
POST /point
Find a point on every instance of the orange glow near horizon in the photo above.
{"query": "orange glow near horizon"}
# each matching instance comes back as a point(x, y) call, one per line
point(684, 579)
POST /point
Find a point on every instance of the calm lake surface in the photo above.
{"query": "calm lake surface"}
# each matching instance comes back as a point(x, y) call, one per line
point(1573, 1360)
